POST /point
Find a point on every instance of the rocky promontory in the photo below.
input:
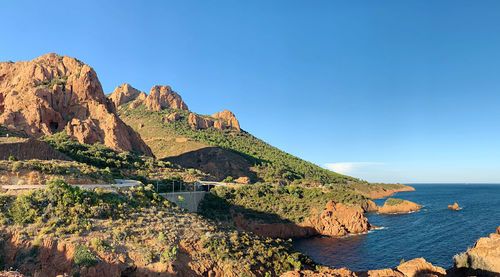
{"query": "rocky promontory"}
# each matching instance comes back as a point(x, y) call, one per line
point(396, 206)
point(56, 93)
point(336, 220)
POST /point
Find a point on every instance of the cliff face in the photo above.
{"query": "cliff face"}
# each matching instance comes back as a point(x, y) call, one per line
point(51, 93)
point(336, 220)
point(161, 97)
point(125, 93)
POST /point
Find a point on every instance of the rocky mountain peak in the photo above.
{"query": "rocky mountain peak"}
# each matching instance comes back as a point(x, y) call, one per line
point(53, 93)
point(125, 93)
point(161, 97)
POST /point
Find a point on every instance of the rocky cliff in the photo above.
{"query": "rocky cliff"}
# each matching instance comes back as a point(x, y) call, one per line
point(54, 93)
point(336, 220)
point(126, 93)
point(482, 260)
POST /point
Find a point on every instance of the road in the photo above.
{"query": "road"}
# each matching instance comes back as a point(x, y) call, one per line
point(120, 183)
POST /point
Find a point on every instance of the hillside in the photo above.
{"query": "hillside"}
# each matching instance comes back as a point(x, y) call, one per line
point(184, 137)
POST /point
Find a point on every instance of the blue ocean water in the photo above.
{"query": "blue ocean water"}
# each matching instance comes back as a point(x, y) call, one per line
point(434, 232)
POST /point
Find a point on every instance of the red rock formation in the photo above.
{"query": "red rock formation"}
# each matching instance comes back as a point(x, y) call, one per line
point(242, 180)
point(51, 93)
point(198, 122)
point(412, 268)
point(228, 119)
point(404, 207)
point(161, 97)
point(223, 120)
point(172, 117)
point(338, 220)
point(126, 93)
point(324, 272)
point(485, 255)
point(454, 207)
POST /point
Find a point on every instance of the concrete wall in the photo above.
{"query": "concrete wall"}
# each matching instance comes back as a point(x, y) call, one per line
point(189, 200)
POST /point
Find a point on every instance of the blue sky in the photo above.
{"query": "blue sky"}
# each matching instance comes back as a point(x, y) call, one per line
point(390, 91)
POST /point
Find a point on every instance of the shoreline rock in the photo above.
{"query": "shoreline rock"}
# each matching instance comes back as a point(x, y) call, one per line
point(454, 207)
point(482, 259)
point(412, 268)
point(397, 206)
point(336, 220)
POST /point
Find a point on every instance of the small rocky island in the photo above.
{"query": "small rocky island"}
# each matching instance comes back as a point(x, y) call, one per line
point(397, 206)
point(454, 207)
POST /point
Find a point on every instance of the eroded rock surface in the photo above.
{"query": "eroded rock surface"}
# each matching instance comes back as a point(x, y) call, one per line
point(53, 93)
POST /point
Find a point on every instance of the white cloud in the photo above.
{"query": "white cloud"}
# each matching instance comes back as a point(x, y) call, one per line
point(349, 167)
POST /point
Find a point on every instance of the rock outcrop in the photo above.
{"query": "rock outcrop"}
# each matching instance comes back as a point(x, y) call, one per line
point(454, 207)
point(221, 120)
point(336, 220)
point(198, 122)
point(484, 258)
point(404, 206)
point(413, 268)
point(53, 93)
point(126, 93)
point(226, 119)
point(161, 97)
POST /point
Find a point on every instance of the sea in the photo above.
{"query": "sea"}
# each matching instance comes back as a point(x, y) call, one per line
point(434, 232)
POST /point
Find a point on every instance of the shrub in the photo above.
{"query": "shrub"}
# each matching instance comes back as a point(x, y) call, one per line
point(169, 255)
point(228, 179)
point(99, 244)
point(393, 201)
point(83, 256)
point(12, 158)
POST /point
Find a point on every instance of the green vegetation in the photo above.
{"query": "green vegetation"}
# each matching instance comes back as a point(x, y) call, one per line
point(270, 163)
point(273, 203)
point(132, 220)
point(84, 257)
point(393, 201)
point(100, 155)
point(62, 168)
point(60, 80)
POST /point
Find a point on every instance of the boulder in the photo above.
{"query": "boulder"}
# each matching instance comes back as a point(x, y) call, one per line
point(454, 207)
point(420, 267)
point(54, 93)
point(242, 180)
